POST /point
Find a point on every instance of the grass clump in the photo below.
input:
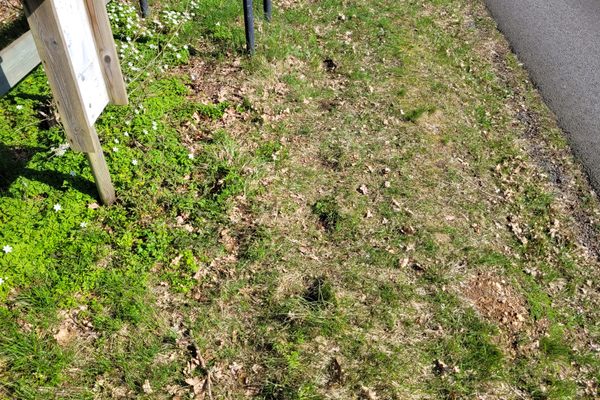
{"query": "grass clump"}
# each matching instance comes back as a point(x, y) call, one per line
point(328, 212)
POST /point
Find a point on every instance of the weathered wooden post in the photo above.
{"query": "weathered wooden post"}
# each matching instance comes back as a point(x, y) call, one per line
point(76, 46)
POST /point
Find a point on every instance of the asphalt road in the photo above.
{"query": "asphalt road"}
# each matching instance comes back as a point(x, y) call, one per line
point(559, 43)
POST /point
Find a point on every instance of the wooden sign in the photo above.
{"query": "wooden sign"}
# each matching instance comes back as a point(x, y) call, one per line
point(76, 30)
point(75, 44)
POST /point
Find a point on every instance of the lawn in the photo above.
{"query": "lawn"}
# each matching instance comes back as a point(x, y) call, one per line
point(376, 205)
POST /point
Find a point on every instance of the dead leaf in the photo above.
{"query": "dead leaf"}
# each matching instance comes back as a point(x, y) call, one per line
point(146, 387)
point(176, 260)
point(404, 262)
point(368, 393)
point(362, 189)
point(64, 335)
point(93, 206)
point(197, 384)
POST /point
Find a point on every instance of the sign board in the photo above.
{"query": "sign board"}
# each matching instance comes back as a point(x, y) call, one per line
point(76, 47)
point(76, 28)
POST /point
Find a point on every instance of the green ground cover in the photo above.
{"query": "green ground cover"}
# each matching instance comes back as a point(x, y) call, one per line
point(377, 205)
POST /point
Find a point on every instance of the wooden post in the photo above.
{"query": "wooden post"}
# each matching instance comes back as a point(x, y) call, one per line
point(101, 174)
point(107, 53)
point(53, 50)
point(75, 44)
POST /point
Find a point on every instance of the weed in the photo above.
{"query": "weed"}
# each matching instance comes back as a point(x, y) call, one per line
point(328, 212)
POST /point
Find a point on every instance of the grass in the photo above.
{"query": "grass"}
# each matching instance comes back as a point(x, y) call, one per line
point(376, 205)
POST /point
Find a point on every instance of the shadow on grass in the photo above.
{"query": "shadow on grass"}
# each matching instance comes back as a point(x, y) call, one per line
point(13, 164)
point(12, 30)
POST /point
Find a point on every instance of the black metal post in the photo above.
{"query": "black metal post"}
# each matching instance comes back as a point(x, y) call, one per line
point(268, 8)
point(145, 8)
point(249, 23)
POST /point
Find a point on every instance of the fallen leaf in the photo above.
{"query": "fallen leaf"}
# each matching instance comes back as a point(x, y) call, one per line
point(197, 384)
point(404, 262)
point(362, 189)
point(368, 393)
point(146, 387)
point(64, 335)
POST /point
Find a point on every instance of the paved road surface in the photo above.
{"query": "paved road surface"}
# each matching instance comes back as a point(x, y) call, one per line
point(559, 43)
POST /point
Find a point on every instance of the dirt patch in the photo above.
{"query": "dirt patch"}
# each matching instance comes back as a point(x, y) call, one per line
point(213, 82)
point(74, 326)
point(497, 301)
point(9, 10)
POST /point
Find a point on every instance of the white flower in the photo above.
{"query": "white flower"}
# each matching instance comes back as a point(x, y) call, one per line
point(19, 107)
point(115, 149)
point(60, 150)
point(145, 131)
point(126, 134)
point(134, 161)
point(57, 207)
point(83, 224)
point(72, 173)
point(117, 141)
point(7, 249)
point(1, 281)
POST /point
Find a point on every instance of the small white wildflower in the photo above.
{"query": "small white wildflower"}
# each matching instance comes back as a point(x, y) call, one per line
point(83, 224)
point(145, 131)
point(191, 156)
point(57, 207)
point(117, 141)
point(72, 173)
point(134, 161)
point(115, 149)
point(1, 281)
point(7, 249)
point(19, 107)
point(178, 56)
point(126, 134)
point(60, 150)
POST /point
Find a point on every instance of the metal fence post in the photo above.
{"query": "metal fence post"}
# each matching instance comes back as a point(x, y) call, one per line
point(268, 8)
point(145, 8)
point(249, 24)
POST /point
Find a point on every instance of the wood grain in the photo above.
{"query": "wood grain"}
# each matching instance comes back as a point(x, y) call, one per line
point(18, 60)
point(52, 49)
point(107, 52)
point(101, 172)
